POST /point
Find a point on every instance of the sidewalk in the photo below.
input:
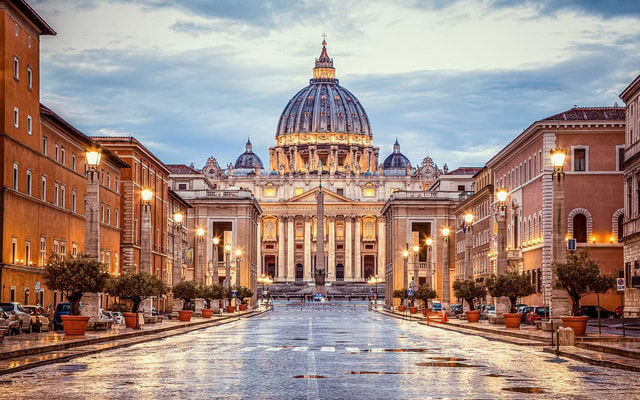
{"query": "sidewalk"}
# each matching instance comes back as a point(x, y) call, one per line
point(608, 350)
point(26, 351)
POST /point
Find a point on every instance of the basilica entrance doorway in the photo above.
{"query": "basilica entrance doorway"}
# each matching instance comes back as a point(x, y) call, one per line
point(339, 272)
point(299, 272)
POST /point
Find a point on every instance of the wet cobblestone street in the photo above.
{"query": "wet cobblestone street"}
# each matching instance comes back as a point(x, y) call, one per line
point(321, 352)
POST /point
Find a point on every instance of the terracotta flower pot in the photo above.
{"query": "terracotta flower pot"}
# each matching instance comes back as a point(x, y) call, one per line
point(231, 309)
point(185, 315)
point(75, 324)
point(243, 307)
point(578, 324)
point(207, 312)
point(402, 308)
point(131, 320)
point(512, 320)
point(473, 315)
point(413, 310)
point(425, 311)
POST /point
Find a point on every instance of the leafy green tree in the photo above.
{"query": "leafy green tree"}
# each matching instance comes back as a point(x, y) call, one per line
point(187, 291)
point(580, 276)
point(242, 293)
point(425, 293)
point(469, 291)
point(136, 287)
point(211, 292)
point(400, 294)
point(74, 276)
point(510, 284)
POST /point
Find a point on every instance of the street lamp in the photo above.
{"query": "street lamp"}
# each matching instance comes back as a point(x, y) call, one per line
point(501, 262)
point(559, 304)
point(405, 255)
point(429, 242)
point(416, 272)
point(214, 277)
point(445, 267)
point(145, 242)
point(238, 259)
point(468, 225)
point(373, 280)
point(199, 266)
point(227, 267)
point(91, 302)
point(178, 271)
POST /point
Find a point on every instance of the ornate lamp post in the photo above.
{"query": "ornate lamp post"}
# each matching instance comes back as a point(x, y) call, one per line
point(200, 262)
point(145, 242)
point(468, 265)
point(430, 272)
point(227, 267)
point(91, 301)
point(502, 303)
point(214, 276)
point(416, 271)
point(559, 304)
point(445, 267)
point(238, 259)
point(405, 255)
point(178, 271)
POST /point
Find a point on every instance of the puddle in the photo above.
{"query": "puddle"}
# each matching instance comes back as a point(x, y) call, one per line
point(524, 389)
point(298, 339)
point(73, 367)
point(310, 376)
point(445, 364)
point(377, 373)
point(341, 341)
point(447, 358)
point(498, 376)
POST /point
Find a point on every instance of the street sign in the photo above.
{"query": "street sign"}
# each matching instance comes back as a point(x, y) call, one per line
point(234, 293)
point(26, 292)
point(620, 284)
point(37, 286)
point(409, 292)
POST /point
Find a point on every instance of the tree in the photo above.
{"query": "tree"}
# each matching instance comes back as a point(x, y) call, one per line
point(469, 291)
point(425, 293)
point(400, 294)
point(580, 276)
point(510, 284)
point(74, 276)
point(136, 287)
point(242, 292)
point(187, 291)
point(211, 292)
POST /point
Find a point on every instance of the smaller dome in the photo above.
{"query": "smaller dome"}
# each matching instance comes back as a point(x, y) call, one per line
point(396, 160)
point(248, 159)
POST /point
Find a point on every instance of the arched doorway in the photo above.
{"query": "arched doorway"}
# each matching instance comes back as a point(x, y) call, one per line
point(299, 272)
point(369, 266)
point(339, 272)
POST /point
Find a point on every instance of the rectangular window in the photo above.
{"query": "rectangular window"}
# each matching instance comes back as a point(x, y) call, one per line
point(101, 212)
point(43, 194)
point(620, 154)
point(15, 176)
point(63, 155)
point(14, 250)
point(109, 215)
point(73, 162)
point(115, 223)
point(107, 261)
point(16, 67)
point(73, 200)
point(63, 249)
point(74, 249)
point(579, 159)
point(16, 117)
point(29, 77)
point(63, 193)
point(29, 125)
point(29, 180)
point(44, 145)
point(117, 186)
point(56, 198)
point(43, 250)
point(57, 151)
point(524, 172)
point(109, 180)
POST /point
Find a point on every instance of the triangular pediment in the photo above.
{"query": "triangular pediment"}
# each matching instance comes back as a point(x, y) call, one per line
point(311, 197)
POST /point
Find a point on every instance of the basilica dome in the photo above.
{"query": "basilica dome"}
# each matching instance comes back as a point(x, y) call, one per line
point(396, 160)
point(248, 160)
point(324, 106)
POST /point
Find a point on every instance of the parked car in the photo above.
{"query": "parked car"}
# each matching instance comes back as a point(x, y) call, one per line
point(592, 312)
point(537, 313)
point(39, 318)
point(524, 310)
point(484, 314)
point(456, 309)
point(619, 311)
point(118, 318)
point(63, 308)
point(15, 308)
point(490, 312)
point(8, 323)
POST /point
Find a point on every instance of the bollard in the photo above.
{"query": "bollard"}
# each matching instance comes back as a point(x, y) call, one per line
point(552, 332)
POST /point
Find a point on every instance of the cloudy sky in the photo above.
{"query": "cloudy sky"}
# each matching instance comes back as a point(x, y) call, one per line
point(454, 80)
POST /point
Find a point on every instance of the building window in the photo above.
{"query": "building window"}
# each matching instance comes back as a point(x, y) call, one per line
point(56, 247)
point(16, 35)
point(73, 200)
point(340, 191)
point(102, 212)
point(29, 125)
point(74, 249)
point(27, 253)
point(44, 188)
point(63, 154)
point(369, 190)
point(579, 159)
point(269, 190)
point(15, 176)
point(56, 188)
point(108, 180)
point(73, 162)
point(29, 77)
point(43, 250)
point(29, 179)
point(117, 186)
point(63, 193)
point(580, 228)
point(16, 67)
point(63, 249)
point(14, 250)
point(108, 215)
point(620, 154)
point(115, 223)
point(44, 145)
point(29, 41)
point(107, 261)
point(102, 178)
point(16, 117)
point(57, 151)
point(299, 191)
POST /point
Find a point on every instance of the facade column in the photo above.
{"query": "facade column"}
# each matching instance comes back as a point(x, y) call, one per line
point(446, 296)
point(291, 264)
point(281, 243)
point(348, 260)
point(357, 258)
point(261, 269)
point(331, 268)
point(381, 249)
point(307, 248)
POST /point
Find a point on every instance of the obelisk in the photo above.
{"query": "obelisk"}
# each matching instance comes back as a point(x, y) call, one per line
point(320, 269)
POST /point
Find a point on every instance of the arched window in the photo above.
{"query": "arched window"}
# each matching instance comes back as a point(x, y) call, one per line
point(580, 228)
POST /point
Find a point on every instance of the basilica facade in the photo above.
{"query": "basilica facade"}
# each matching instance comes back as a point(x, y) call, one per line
point(323, 139)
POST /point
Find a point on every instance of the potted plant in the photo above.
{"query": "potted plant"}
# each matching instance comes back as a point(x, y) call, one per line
point(511, 284)
point(243, 293)
point(74, 276)
point(210, 293)
point(187, 291)
point(580, 276)
point(425, 293)
point(400, 294)
point(136, 287)
point(469, 291)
